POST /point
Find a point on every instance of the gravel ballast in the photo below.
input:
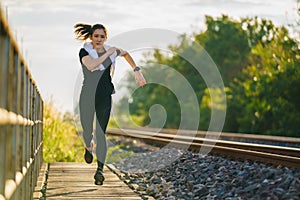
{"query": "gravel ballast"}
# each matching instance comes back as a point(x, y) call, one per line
point(171, 173)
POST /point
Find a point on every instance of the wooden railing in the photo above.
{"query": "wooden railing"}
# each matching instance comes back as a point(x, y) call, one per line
point(21, 121)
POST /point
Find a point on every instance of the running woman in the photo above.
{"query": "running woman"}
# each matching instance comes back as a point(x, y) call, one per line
point(97, 60)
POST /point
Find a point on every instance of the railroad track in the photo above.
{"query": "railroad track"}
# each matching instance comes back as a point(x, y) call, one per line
point(268, 154)
point(252, 138)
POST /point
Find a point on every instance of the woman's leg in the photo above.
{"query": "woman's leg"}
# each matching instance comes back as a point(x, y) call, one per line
point(103, 109)
point(101, 147)
point(87, 112)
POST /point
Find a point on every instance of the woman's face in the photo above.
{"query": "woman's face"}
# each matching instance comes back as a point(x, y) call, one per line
point(98, 38)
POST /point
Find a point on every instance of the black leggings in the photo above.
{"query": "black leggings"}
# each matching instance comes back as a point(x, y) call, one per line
point(89, 104)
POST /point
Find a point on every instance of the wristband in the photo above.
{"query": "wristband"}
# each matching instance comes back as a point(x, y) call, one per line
point(137, 68)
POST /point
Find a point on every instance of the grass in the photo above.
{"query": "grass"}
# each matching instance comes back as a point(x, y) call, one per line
point(117, 152)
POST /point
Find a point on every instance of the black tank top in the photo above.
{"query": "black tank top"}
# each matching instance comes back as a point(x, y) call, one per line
point(97, 80)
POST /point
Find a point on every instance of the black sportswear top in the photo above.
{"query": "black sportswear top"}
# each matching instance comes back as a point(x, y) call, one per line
point(97, 78)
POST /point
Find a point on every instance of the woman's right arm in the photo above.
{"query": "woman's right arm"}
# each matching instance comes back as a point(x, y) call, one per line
point(92, 64)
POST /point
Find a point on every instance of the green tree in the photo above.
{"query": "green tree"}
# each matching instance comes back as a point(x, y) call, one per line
point(267, 92)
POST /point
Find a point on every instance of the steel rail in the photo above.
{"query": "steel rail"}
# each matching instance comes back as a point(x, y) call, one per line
point(231, 136)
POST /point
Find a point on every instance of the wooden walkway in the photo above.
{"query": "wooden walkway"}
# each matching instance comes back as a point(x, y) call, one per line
point(76, 181)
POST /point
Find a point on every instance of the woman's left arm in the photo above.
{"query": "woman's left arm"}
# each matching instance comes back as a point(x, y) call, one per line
point(139, 78)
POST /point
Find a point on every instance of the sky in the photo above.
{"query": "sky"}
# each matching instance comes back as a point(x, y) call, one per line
point(44, 31)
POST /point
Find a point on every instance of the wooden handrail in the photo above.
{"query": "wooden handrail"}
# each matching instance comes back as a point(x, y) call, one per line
point(21, 121)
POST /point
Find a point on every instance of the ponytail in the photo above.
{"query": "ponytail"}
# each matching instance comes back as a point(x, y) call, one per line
point(82, 31)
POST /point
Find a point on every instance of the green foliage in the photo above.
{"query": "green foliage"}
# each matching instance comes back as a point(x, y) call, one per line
point(268, 89)
point(227, 44)
point(61, 143)
point(207, 105)
point(259, 63)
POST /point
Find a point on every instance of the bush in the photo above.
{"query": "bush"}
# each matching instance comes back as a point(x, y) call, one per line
point(61, 142)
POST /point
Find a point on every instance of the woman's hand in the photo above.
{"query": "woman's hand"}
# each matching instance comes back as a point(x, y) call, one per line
point(111, 50)
point(139, 78)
